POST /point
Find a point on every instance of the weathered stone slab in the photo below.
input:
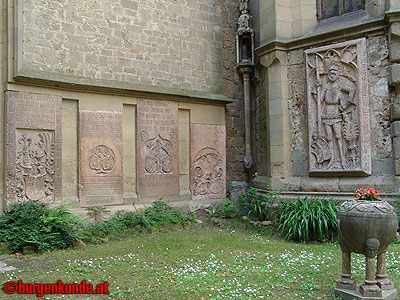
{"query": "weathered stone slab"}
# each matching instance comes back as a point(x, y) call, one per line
point(157, 150)
point(208, 161)
point(33, 147)
point(100, 158)
point(338, 109)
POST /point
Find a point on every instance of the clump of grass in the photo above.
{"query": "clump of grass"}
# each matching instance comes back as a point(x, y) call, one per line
point(158, 215)
point(255, 204)
point(307, 220)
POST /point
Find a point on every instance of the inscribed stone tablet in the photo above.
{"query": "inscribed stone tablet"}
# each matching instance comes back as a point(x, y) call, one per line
point(33, 147)
point(157, 149)
point(208, 162)
point(100, 158)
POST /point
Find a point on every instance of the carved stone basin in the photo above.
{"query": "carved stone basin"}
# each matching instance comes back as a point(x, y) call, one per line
point(366, 227)
point(361, 220)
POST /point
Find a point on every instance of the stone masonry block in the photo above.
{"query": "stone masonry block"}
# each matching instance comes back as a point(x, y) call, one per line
point(395, 110)
point(395, 74)
point(396, 148)
point(396, 129)
point(397, 167)
point(394, 49)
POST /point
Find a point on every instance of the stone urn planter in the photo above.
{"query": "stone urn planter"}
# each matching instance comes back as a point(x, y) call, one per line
point(366, 227)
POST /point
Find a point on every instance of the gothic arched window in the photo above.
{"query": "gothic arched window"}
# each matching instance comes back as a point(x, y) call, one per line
point(332, 8)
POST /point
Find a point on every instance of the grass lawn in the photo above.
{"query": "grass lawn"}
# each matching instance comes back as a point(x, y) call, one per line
point(196, 263)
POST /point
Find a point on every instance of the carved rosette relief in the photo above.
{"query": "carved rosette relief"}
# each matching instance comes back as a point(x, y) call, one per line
point(208, 169)
point(158, 153)
point(34, 176)
point(101, 160)
point(337, 94)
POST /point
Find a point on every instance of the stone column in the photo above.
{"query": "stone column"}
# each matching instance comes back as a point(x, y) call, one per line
point(382, 278)
point(246, 71)
point(277, 91)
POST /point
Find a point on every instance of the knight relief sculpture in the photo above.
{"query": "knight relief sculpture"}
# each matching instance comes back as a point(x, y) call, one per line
point(337, 93)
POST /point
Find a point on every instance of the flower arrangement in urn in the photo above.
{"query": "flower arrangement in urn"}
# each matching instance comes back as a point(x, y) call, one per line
point(367, 194)
point(366, 225)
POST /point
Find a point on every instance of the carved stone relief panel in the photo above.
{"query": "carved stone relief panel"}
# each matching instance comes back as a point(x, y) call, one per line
point(33, 147)
point(100, 158)
point(208, 162)
point(157, 149)
point(338, 109)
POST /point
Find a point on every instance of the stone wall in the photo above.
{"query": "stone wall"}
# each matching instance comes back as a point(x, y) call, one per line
point(103, 58)
point(172, 44)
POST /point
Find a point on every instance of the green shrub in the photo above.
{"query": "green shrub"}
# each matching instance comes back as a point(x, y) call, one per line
point(307, 220)
point(256, 205)
point(33, 224)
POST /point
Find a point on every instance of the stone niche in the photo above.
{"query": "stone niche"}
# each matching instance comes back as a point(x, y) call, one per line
point(157, 150)
point(33, 147)
point(207, 161)
point(100, 158)
point(338, 109)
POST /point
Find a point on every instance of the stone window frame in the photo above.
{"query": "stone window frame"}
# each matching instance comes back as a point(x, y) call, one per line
point(339, 11)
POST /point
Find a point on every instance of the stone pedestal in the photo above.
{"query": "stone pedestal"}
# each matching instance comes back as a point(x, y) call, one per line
point(356, 295)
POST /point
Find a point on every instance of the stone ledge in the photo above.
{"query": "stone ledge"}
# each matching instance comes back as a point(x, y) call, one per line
point(85, 84)
point(321, 37)
point(185, 206)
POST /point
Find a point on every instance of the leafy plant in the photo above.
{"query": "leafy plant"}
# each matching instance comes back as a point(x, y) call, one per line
point(97, 212)
point(308, 220)
point(226, 209)
point(33, 224)
point(255, 204)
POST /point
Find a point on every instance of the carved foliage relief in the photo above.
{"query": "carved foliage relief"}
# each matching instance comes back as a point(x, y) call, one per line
point(338, 108)
point(33, 153)
point(101, 160)
point(208, 172)
point(208, 162)
point(158, 153)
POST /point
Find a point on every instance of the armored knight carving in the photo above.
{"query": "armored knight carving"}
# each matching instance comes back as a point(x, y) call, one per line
point(336, 97)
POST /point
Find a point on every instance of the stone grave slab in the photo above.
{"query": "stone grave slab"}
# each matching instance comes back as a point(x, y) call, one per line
point(338, 109)
point(207, 161)
point(100, 158)
point(157, 150)
point(32, 147)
